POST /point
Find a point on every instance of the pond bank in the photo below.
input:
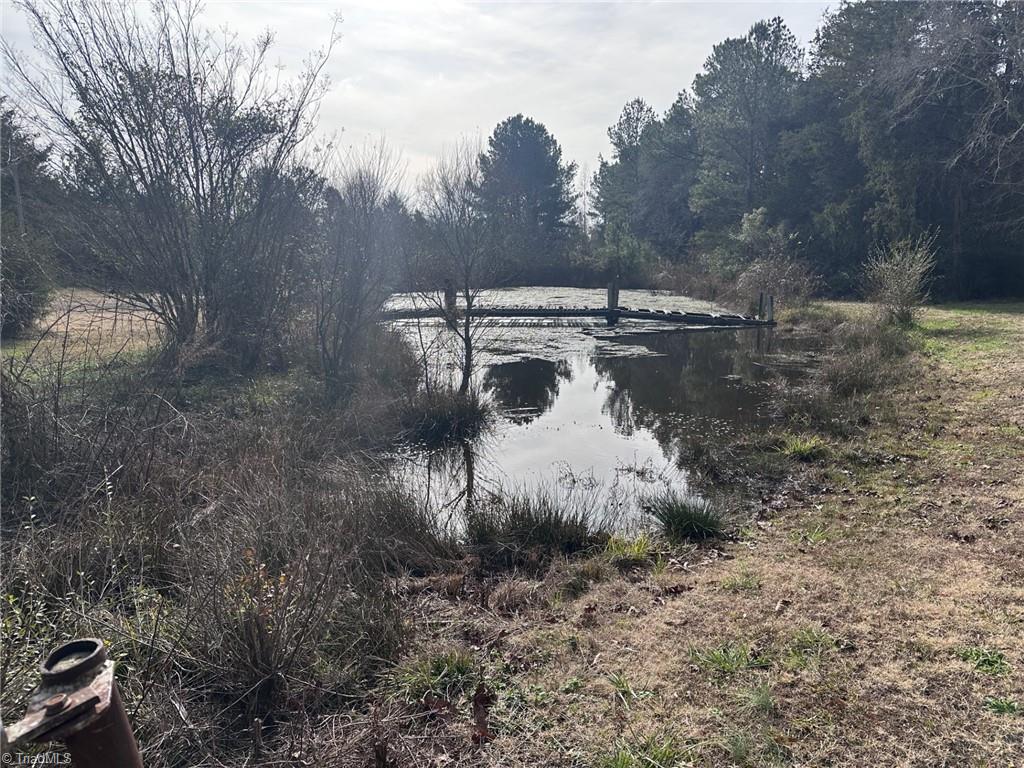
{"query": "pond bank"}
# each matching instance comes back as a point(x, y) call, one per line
point(257, 562)
point(869, 615)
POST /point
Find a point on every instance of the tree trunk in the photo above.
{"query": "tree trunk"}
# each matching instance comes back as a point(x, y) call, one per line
point(467, 356)
point(957, 245)
point(19, 205)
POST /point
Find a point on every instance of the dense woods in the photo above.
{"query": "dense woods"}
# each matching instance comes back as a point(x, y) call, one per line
point(902, 119)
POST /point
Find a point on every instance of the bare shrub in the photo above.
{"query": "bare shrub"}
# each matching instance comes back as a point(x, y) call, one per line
point(80, 419)
point(789, 280)
point(189, 142)
point(364, 221)
point(896, 277)
point(293, 591)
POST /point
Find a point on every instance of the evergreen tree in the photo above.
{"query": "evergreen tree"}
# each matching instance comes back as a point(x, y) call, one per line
point(526, 193)
point(743, 102)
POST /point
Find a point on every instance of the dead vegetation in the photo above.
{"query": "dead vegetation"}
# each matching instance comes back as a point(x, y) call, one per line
point(268, 598)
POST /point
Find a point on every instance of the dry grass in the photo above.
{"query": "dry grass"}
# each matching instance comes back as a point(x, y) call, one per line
point(82, 323)
point(860, 647)
point(871, 616)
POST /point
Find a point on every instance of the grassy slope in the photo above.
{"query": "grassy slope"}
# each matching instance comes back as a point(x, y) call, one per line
point(873, 616)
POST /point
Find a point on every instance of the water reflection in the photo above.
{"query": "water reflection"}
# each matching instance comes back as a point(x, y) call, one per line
point(612, 424)
point(526, 388)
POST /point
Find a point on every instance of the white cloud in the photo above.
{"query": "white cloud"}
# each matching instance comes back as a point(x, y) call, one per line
point(424, 73)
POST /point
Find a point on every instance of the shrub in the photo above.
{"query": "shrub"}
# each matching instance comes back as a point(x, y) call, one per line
point(528, 529)
point(896, 277)
point(303, 610)
point(789, 280)
point(445, 416)
point(683, 516)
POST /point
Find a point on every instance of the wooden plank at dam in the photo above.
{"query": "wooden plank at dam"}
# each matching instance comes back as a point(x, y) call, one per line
point(703, 319)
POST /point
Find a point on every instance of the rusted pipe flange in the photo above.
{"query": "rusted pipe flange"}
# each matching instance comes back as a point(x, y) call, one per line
point(77, 683)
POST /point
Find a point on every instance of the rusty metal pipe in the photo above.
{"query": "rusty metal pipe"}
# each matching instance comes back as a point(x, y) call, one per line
point(77, 702)
point(107, 742)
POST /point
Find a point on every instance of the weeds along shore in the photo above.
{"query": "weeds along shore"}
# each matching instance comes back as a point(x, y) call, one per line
point(236, 542)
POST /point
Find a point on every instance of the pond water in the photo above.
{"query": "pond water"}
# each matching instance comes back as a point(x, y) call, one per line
point(606, 415)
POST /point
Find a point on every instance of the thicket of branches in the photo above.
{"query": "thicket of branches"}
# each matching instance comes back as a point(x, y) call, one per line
point(184, 149)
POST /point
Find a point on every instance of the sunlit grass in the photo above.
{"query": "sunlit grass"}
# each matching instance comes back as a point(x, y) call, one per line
point(683, 516)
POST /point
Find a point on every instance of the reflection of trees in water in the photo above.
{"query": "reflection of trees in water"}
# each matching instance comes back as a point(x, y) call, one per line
point(682, 393)
point(527, 388)
point(449, 479)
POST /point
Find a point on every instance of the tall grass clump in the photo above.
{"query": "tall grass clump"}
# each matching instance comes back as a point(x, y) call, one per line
point(864, 353)
point(684, 516)
point(444, 416)
point(529, 528)
point(863, 356)
point(896, 277)
point(445, 675)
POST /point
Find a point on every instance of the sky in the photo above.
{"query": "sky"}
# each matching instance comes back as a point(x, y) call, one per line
point(423, 74)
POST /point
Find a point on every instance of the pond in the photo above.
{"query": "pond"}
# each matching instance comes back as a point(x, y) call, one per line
point(606, 415)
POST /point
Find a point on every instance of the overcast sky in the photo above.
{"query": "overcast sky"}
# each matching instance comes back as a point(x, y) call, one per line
point(422, 73)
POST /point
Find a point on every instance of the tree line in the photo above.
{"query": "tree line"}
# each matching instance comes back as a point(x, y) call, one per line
point(146, 157)
point(902, 121)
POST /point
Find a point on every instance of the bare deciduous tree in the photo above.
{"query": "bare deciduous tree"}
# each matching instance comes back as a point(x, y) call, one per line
point(461, 256)
point(187, 142)
point(363, 219)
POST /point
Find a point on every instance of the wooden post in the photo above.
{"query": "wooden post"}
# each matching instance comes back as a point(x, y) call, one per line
point(760, 306)
point(613, 302)
point(450, 306)
point(771, 309)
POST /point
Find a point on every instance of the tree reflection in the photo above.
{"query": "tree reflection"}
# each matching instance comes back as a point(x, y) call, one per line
point(697, 386)
point(526, 388)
